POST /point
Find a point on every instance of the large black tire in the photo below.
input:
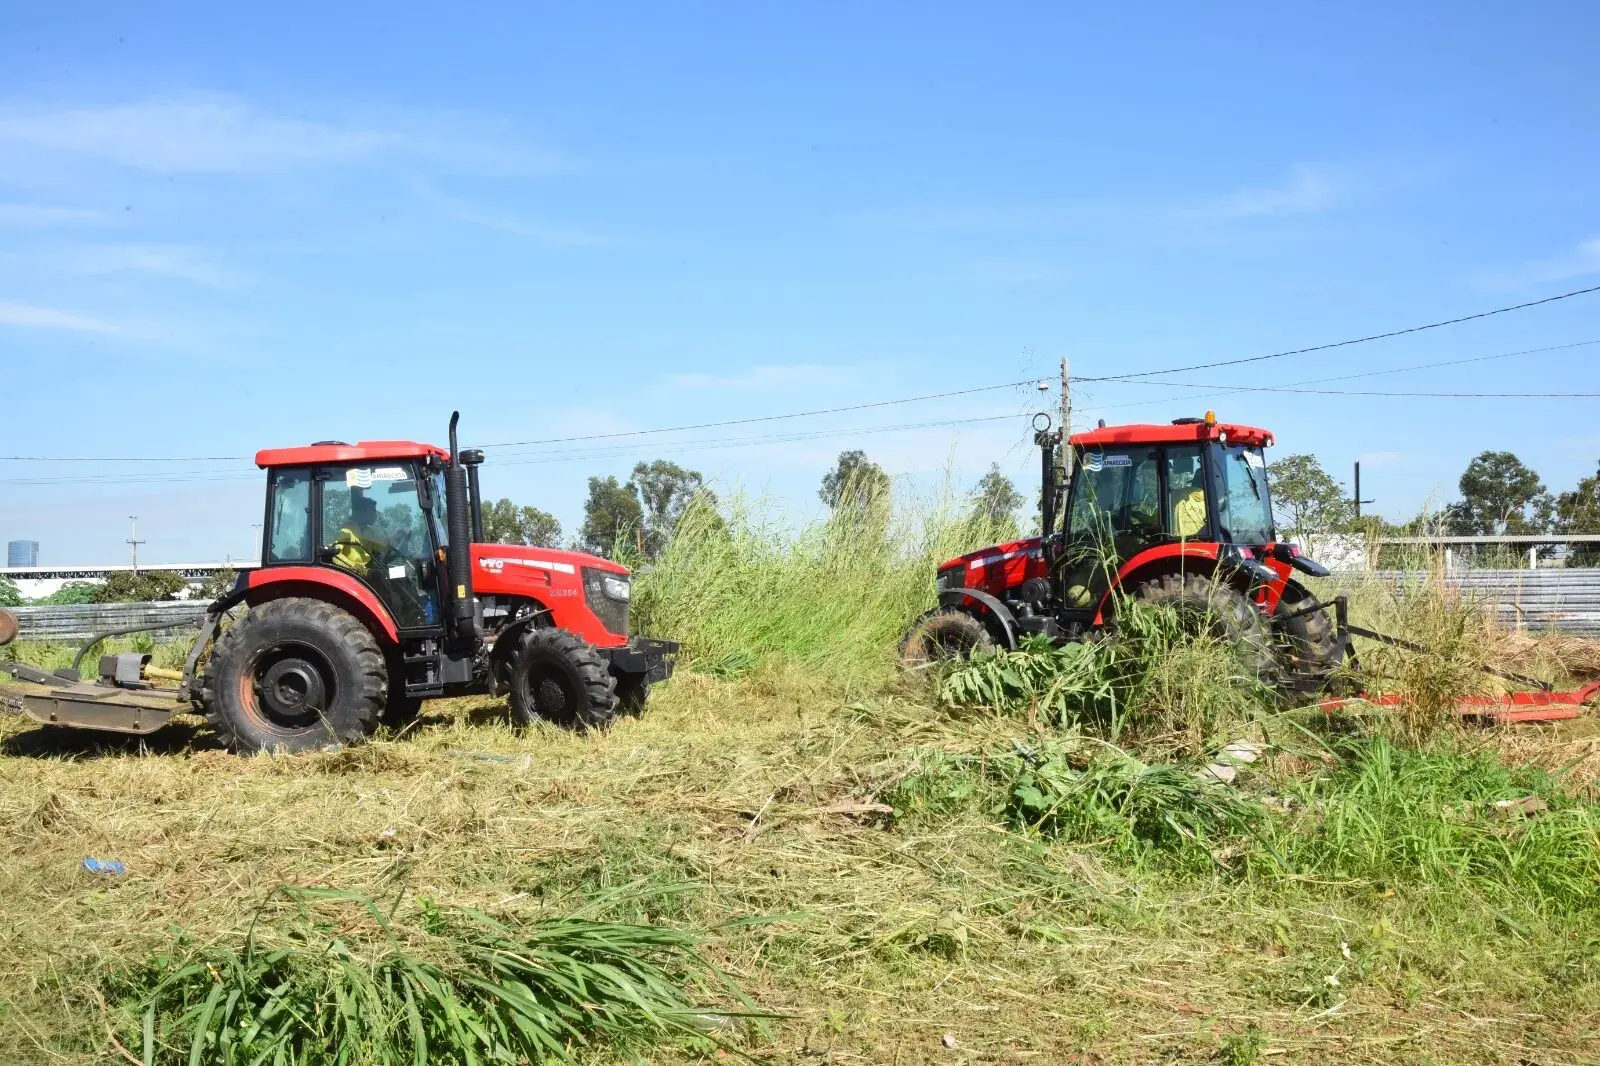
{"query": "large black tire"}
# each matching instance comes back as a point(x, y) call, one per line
point(295, 675)
point(1221, 611)
point(633, 692)
point(943, 635)
point(1315, 657)
point(401, 710)
point(556, 677)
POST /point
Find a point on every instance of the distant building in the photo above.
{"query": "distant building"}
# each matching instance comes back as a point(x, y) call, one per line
point(22, 553)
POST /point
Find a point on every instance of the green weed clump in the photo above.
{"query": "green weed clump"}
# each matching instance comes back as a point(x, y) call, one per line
point(453, 986)
point(1446, 817)
point(835, 596)
point(1113, 800)
point(1152, 681)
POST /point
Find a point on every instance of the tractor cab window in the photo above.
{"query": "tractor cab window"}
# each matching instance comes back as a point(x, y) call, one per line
point(1245, 511)
point(289, 525)
point(373, 525)
point(1186, 494)
point(1116, 499)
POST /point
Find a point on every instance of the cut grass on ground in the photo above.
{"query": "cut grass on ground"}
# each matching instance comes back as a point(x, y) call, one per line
point(761, 798)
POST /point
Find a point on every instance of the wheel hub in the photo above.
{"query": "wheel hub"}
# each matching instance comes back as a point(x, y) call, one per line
point(292, 690)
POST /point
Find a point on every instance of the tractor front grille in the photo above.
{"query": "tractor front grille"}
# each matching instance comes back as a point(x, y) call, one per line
point(601, 590)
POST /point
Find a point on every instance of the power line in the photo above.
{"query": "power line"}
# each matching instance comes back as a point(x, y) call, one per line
point(1347, 343)
point(1377, 392)
point(880, 403)
point(1226, 390)
point(764, 418)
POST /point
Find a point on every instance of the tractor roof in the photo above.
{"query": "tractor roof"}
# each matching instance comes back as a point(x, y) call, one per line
point(1173, 433)
point(339, 452)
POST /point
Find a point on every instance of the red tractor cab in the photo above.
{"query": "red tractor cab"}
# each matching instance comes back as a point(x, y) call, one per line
point(375, 592)
point(1178, 513)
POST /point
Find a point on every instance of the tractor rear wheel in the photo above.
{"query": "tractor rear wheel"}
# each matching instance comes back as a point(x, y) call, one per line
point(556, 677)
point(943, 635)
point(295, 675)
point(1311, 646)
point(1221, 611)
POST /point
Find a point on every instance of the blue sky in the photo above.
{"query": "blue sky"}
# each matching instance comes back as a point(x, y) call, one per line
point(224, 229)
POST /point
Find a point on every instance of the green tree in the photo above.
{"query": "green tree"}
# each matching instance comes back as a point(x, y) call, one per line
point(216, 585)
point(70, 593)
point(1306, 499)
point(855, 484)
point(1499, 494)
point(664, 490)
point(506, 523)
point(145, 587)
point(10, 595)
point(1578, 511)
point(612, 517)
point(995, 500)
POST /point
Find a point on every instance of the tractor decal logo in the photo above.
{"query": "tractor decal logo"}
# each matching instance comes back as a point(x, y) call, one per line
point(1094, 462)
point(978, 564)
point(538, 564)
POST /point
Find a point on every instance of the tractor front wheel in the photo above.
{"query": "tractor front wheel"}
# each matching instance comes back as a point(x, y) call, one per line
point(1316, 658)
point(556, 677)
point(295, 675)
point(943, 635)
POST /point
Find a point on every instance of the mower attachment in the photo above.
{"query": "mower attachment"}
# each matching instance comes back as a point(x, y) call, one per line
point(1543, 704)
point(652, 659)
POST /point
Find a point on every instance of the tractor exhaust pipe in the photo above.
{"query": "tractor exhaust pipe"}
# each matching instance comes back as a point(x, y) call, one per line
point(463, 605)
point(8, 627)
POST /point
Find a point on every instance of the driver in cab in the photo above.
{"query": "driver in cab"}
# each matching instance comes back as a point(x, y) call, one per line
point(357, 544)
point(1188, 506)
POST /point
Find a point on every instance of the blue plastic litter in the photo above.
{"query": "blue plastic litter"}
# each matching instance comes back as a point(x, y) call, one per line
point(107, 867)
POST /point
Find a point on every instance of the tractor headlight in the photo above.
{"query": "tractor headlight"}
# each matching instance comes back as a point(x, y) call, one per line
point(949, 579)
point(615, 587)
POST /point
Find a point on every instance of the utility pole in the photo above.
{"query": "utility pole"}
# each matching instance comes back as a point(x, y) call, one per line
point(1066, 418)
point(1358, 501)
point(134, 542)
point(256, 537)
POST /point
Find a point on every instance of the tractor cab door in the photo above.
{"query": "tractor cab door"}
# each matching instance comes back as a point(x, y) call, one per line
point(367, 520)
point(372, 523)
point(1114, 511)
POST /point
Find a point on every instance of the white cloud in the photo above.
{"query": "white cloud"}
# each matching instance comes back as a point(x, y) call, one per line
point(1581, 261)
point(31, 316)
point(1308, 190)
point(45, 216)
point(162, 260)
point(218, 134)
point(757, 378)
point(550, 234)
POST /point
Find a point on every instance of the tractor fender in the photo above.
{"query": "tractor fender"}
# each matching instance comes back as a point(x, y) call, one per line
point(1198, 558)
point(323, 583)
point(988, 608)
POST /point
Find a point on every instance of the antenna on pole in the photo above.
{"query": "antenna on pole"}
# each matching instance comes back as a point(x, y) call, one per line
point(1358, 501)
point(134, 542)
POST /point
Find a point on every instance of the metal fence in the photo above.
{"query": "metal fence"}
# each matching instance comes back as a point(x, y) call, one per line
point(79, 621)
point(1566, 599)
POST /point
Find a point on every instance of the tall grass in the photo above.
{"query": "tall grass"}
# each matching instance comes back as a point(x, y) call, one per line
point(1445, 816)
point(833, 596)
point(450, 985)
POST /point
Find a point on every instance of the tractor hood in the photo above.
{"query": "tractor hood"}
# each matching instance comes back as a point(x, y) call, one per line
point(497, 558)
point(996, 568)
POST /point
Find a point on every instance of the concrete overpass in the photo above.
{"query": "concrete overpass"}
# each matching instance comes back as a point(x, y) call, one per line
point(35, 582)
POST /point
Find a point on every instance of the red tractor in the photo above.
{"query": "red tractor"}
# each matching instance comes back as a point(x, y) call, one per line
point(375, 592)
point(1178, 514)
